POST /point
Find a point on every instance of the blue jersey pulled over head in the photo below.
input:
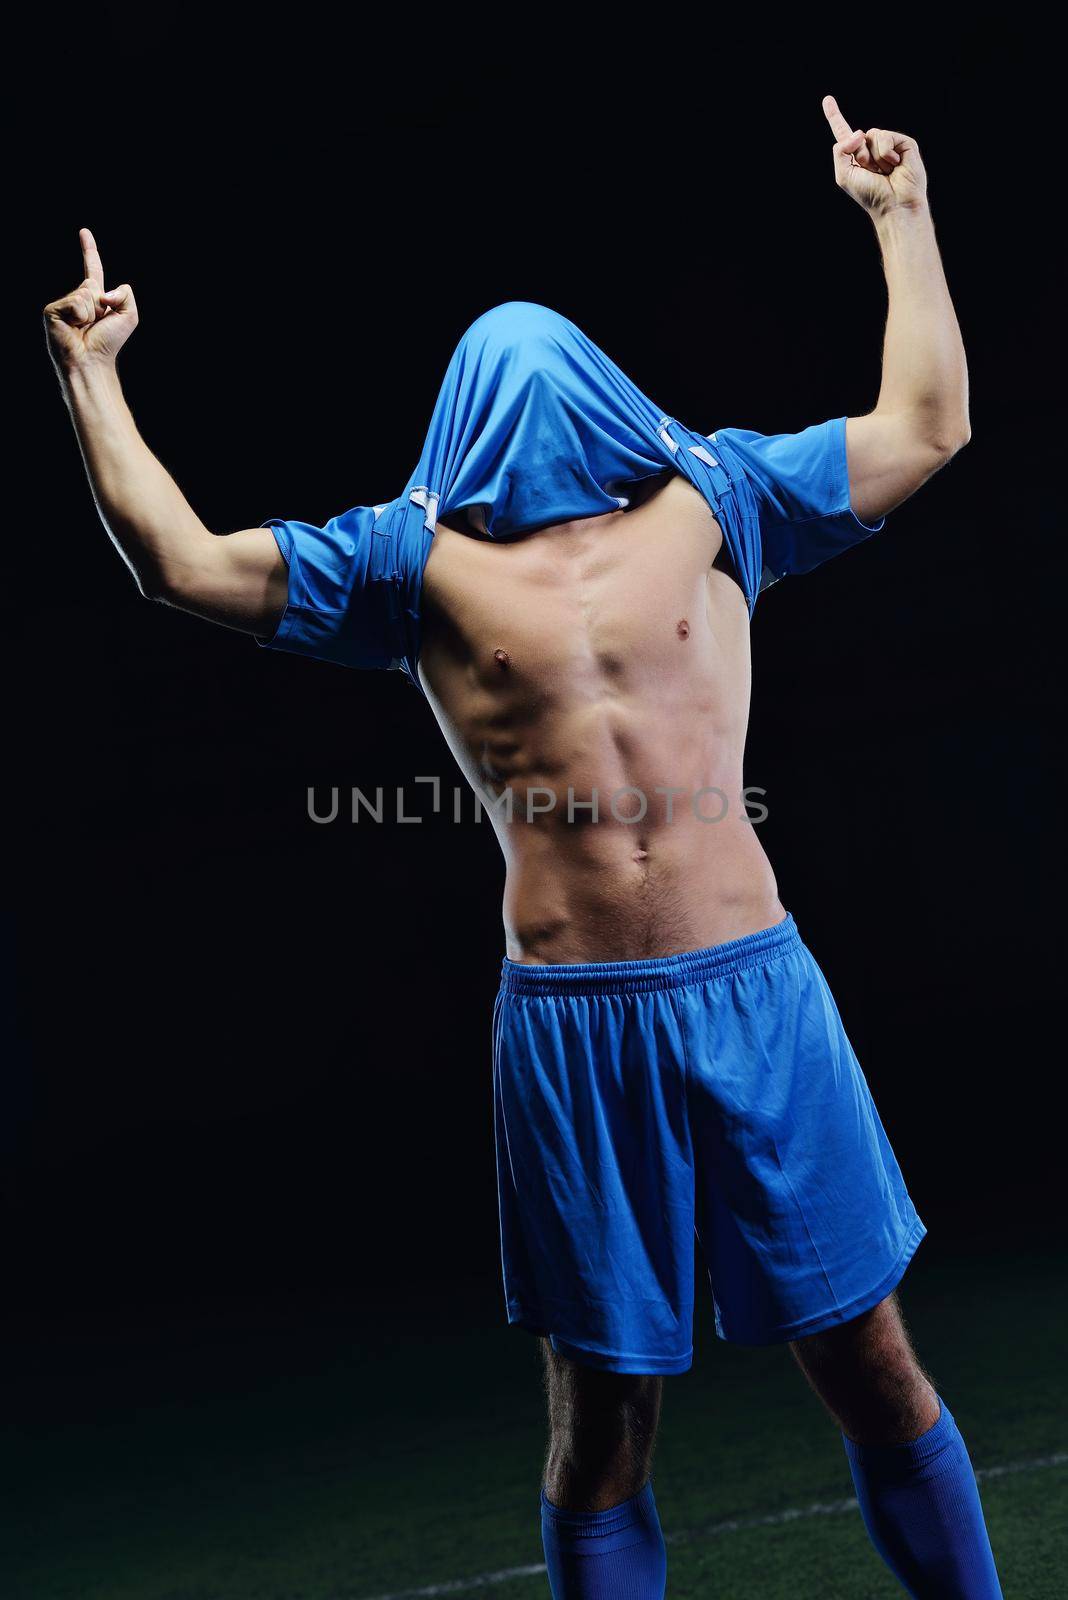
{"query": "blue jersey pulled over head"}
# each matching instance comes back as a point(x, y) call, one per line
point(534, 425)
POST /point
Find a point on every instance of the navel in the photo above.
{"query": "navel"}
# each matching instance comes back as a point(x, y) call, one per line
point(682, 628)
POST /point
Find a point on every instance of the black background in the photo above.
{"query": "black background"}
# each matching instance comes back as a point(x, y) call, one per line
point(253, 1054)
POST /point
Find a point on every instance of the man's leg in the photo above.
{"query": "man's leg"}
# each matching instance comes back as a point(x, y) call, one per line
point(913, 1477)
point(600, 1528)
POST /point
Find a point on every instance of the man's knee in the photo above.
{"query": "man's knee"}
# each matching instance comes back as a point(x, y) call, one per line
point(602, 1431)
point(868, 1376)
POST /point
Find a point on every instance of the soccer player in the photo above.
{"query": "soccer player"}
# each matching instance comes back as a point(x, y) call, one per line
point(568, 578)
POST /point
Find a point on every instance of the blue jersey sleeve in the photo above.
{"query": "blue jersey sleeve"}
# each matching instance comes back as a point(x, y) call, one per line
point(800, 484)
point(342, 601)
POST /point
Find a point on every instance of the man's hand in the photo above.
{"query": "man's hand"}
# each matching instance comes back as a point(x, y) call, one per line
point(91, 324)
point(880, 170)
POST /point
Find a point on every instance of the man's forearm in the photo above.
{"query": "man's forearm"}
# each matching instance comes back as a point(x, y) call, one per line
point(151, 522)
point(925, 374)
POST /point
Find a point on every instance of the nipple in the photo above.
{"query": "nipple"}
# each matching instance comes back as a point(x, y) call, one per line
point(502, 658)
point(682, 628)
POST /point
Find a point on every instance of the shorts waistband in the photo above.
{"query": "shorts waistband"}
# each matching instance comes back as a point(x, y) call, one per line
point(646, 977)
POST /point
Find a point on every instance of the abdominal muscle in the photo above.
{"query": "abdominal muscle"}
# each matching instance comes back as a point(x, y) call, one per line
point(592, 680)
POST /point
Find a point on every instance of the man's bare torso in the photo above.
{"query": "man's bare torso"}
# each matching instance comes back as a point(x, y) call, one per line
point(605, 659)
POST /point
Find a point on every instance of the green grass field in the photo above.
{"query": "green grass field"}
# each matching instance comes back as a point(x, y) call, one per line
point(344, 1457)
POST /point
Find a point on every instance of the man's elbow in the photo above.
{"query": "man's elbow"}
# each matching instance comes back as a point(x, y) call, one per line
point(927, 452)
point(176, 579)
point(950, 440)
point(942, 435)
point(155, 583)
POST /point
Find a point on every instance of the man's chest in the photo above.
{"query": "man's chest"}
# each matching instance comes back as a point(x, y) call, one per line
point(623, 588)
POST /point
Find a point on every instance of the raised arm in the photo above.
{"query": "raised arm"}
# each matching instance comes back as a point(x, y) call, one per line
point(239, 579)
point(921, 417)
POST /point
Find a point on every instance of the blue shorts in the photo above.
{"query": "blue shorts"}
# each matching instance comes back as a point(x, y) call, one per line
point(638, 1101)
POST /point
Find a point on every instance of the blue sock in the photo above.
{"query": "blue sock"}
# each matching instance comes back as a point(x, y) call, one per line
point(616, 1554)
point(921, 1507)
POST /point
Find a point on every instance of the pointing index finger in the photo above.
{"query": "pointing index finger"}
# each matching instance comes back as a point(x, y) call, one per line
point(839, 126)
point(94, 268)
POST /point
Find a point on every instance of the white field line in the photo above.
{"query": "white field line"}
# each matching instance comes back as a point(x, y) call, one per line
point(713, 1530)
